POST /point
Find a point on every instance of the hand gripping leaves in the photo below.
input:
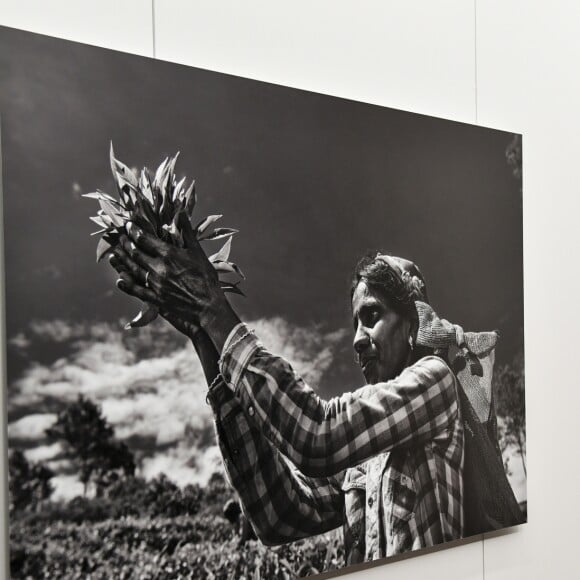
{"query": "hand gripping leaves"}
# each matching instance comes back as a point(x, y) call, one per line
point(156, 206)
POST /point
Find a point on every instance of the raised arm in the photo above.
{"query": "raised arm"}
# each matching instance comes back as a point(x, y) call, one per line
point(324, 437)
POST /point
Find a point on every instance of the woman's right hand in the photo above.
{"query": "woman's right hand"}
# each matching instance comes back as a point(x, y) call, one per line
point(125, 266)
point(188, 328)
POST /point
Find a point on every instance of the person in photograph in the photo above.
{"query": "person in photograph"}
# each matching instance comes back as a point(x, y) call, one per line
point(385, 461)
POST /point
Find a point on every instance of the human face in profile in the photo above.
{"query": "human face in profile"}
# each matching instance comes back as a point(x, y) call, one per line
point(381, 338)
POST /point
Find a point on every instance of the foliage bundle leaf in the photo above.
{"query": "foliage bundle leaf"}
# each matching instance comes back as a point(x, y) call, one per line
point(156, 205)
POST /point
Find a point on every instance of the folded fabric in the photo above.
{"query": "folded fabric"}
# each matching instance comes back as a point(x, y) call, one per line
point(471, 355)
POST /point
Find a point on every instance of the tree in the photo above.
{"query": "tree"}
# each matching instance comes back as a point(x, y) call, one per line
point(29, 484)
point(91, 443)
point(509, 383)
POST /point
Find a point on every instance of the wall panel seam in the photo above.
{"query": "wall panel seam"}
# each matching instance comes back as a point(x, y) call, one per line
point(153, 28)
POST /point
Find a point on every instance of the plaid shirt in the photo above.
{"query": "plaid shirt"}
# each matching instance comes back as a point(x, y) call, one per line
point(385, 461)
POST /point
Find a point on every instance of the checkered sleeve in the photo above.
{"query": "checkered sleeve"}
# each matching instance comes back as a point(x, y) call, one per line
point(282, 504)
point(325, 437)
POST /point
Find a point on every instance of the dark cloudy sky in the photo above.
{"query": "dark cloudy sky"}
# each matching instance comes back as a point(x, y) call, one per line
point(312, 182)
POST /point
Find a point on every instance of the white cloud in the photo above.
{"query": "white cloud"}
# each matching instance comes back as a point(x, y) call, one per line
point(150, 386)
point(309, 350)
point(43, 452)
point(56, 330)
point(517, 475)
point(31, 426)
point(66, 487)
point(184, 465)
point(20, 341)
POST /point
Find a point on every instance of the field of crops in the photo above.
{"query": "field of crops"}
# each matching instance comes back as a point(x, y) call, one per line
point(183, 547)
point(80, 540)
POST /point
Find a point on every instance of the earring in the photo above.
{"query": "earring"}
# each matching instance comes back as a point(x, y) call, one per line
point(411, 344)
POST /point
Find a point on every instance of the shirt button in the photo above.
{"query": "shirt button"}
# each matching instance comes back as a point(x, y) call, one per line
point(371, 501)
point(251, 411)
point(236, 451)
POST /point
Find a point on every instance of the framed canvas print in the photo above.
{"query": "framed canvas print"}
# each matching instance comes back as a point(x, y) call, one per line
point(252, 331)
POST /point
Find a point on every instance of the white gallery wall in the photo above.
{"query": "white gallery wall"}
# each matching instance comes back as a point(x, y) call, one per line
point(512, 65)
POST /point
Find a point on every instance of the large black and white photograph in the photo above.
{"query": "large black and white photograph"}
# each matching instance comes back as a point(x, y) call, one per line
point(252, 332)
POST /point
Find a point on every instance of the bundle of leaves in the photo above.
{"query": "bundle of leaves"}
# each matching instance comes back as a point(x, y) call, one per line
point(158, 206)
